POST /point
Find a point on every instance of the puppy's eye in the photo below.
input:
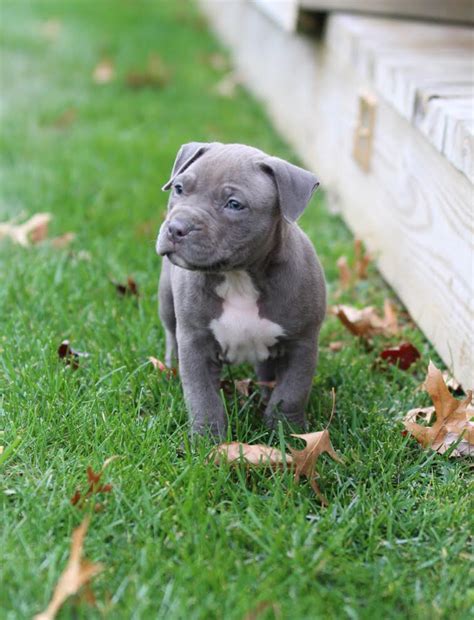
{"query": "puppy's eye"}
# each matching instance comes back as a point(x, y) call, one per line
point(234, 205)
point(178, 188)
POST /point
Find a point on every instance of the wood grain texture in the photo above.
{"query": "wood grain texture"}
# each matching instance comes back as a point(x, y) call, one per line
point(445, 10)
point(413, 209)
point(412, 65)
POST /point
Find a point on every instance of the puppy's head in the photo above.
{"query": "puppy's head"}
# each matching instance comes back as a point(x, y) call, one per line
point(226, 203)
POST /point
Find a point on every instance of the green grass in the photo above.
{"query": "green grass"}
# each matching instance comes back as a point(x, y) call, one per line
point(180, 538)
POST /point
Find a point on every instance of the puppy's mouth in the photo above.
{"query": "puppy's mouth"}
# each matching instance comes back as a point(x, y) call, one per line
point(179, 261)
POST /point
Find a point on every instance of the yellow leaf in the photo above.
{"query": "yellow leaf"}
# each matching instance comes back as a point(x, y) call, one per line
point(452, 418)
point(78, 572)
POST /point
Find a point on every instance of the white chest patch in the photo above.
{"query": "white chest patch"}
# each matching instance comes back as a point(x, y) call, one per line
point(242, 334)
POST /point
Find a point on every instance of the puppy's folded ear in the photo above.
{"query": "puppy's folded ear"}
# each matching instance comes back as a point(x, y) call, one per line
point(187, 154)
point(295, 186)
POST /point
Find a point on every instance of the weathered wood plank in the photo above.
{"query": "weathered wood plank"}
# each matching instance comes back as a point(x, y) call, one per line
point(445, 10)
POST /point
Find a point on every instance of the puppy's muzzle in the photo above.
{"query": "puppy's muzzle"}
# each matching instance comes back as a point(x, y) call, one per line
point(178, 229)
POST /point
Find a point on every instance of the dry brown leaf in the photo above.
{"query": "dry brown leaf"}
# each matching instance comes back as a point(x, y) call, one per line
point(257, 454)
point(93, 487)
point(244, 387)
point(104, 72)
point(65, 119)
point(161, 367)
point(32, 231)
point(366, 322)
point(362, 260)
point(78, 573)
point(261, 608)
point(303, 462)
point(345, 274)
point(403, 355)
point(63, 240)
point(453, 418)
point(156, 74)
point(349, 275)
point(70, 355)
point(129, 288)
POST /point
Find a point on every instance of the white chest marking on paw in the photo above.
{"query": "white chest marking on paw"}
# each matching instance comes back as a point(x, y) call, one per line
point(243, 335)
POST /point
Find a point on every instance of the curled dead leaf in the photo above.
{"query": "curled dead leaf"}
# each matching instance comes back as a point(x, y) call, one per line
point(345, 274)
point(303, 462)
point(104, 72)
point(362, 260)
point(94, 487)
point(235, 452)
point(257, 611)
point(366, 322)
point(161, 367)
point(65, 119)
point(78, 573)
point(70, 355)
point(63, 240)
point(403, 355)
point(129, 288)
point(156, 74)
point(34, 230)
point(452, 418)
point(348, 275)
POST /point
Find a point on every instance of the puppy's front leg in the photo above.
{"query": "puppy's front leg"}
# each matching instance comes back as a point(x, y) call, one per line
point(200, 376)
point(294, 377)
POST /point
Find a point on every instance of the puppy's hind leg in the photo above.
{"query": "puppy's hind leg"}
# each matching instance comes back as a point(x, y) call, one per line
point(167, 315)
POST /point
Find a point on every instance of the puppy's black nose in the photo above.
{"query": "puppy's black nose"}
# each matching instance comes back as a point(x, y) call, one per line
point(177, 229)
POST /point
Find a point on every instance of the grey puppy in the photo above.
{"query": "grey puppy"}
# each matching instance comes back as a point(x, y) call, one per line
point(240, 281)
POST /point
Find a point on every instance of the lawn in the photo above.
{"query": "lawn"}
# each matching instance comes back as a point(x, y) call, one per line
point(180, 538)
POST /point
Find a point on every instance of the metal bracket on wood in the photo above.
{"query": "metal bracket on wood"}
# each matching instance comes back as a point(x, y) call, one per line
point(364, 131)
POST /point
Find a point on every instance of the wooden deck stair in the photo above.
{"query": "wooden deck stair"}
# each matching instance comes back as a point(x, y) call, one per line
point(382, 109)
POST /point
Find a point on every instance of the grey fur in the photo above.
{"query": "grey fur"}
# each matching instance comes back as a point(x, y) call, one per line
point(202, 239)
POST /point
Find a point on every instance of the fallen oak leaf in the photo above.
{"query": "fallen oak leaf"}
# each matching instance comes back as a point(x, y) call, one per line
point(345, 274)
point(303, 462)
point(362, 260)
point(78, 573)
point(252, 454)
point(262, 607)
point(366, 322)
point(349, 275)
point(70, 355)
point(65, 119)
point(94, 487)
point(452, 418)
point(63, 240)
point(129, 288)
point(34, 230)
point(403, 355)
point(104, 72)
point(158, 365)
point(156, 75)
